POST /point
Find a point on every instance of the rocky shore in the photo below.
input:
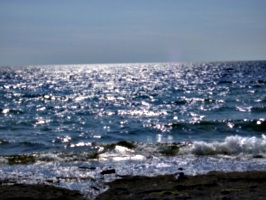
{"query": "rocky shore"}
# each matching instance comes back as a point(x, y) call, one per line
point(214, 185)
point(37, 192)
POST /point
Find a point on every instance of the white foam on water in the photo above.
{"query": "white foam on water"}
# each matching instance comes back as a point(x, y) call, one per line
point(3, 160)
point(121, 153)
point(234, 153)
point(50, 157)
point(232, 145)
point(87, 177)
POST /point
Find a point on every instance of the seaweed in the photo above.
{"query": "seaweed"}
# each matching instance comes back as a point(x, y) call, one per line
point(127, 144)
point(21, 159)
point(170, 150)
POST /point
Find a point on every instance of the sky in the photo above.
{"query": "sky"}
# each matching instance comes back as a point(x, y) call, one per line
point(47, 32)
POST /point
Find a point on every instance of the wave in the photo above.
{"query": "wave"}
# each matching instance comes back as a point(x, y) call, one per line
point(256, 125)
point(8, 148)
point(10, 111)
point(232, 145)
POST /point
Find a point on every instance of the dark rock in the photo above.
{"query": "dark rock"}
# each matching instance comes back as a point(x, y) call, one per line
point(108, 171)
point(258, 156)
point(181, 176)
point(37, 192)
point(215, 185)
point(87, 168)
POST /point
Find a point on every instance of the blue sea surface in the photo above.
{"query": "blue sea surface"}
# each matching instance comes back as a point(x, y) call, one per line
point(64, 113)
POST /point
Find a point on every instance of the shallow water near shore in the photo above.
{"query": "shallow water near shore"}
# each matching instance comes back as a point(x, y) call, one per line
point(71, 125)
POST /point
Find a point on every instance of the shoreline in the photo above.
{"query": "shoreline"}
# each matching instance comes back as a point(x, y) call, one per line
point(37, 192)
point(214, 185)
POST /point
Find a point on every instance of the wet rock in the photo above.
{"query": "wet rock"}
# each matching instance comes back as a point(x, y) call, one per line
point(37, 192)
point(181, 176)
point(258, 156)
point(108, 171)
point(215, 185)
point(87, 168)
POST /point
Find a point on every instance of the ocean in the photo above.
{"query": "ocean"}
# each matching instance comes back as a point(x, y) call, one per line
point(70, 125)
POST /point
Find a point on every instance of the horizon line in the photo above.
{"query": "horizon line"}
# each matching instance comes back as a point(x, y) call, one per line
point(126, 63)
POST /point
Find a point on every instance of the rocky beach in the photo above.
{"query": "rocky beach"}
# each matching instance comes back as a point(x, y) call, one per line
point(214, 185)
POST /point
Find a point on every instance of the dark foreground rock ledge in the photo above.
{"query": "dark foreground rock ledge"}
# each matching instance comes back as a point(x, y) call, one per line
point(37, 192)
point(215, 185)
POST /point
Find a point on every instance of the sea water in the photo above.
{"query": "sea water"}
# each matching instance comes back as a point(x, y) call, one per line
point(68, 124)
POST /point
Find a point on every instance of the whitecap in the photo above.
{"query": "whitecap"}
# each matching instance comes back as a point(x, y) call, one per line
point(232, 145)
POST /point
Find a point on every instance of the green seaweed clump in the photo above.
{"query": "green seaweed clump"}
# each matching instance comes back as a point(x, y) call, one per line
point(230, 190)
point(170, 150)
point(126, 144)
point(94, 155)
point(21, 159)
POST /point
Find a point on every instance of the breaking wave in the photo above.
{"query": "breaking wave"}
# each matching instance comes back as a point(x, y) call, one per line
point(232, 145)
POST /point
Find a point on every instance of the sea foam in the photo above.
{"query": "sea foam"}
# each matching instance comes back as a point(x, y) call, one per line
point(232, 145)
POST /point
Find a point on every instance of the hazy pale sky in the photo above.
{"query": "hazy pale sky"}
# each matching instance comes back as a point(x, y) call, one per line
point(34, 32)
